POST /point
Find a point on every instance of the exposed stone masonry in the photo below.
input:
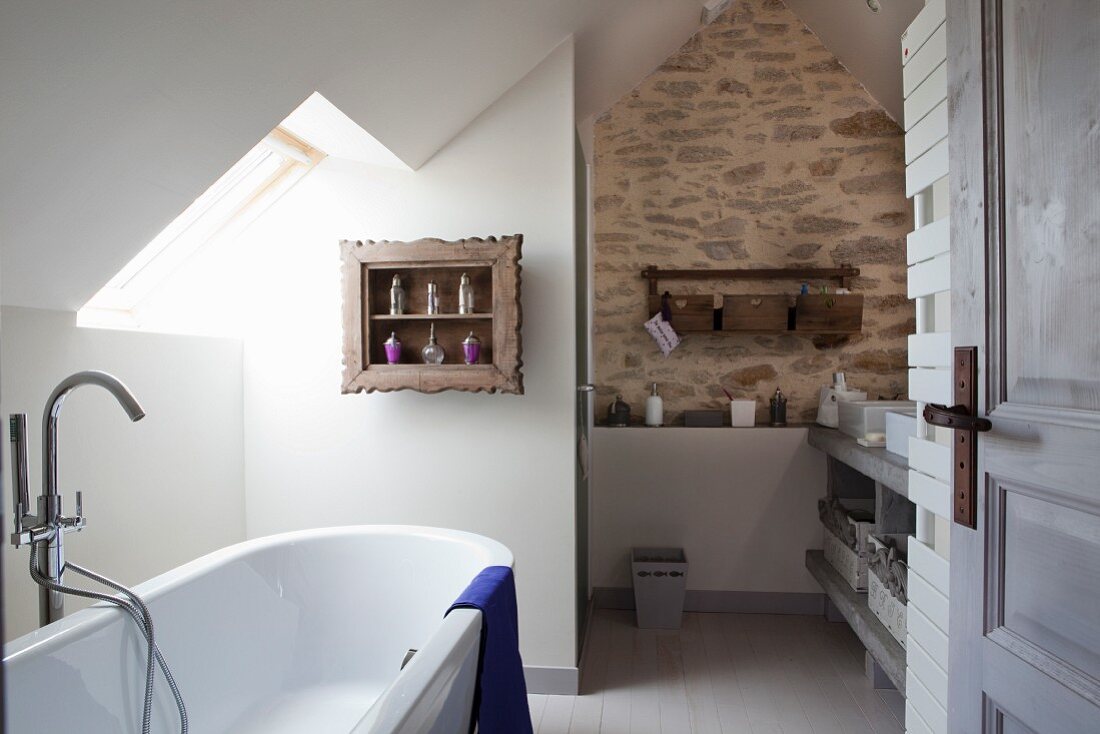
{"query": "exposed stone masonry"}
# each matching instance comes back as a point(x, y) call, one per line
point(752, 146)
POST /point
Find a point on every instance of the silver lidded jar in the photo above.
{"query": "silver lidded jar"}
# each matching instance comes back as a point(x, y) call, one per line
point(471, 349)
point(433, 298)
point(777, 407)
point(618, 413)
point(397, 297)
point(393, 349)
point(465, 295)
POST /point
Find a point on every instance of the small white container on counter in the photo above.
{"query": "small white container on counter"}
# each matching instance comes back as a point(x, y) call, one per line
point(828, 398)
point(742, 413)
point(861, 417)
point(654, 409)
point(900, 425)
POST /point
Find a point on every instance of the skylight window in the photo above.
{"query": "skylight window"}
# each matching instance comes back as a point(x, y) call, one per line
point(223, 211)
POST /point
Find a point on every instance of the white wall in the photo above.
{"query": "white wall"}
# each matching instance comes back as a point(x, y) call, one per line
point(494, 464)
point(118, 113)
point(741, 502)
point(158, 492)
point(865, 42)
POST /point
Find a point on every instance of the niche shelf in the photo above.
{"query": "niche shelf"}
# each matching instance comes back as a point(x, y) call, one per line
point(494, 270)
point(809, 315)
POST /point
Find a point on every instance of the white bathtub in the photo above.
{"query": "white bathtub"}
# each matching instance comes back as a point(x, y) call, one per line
point(303, 632)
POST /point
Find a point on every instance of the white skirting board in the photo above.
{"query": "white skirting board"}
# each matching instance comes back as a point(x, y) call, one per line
point(551, 680)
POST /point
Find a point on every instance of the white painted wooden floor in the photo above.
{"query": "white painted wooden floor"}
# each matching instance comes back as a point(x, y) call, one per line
point(722, 674)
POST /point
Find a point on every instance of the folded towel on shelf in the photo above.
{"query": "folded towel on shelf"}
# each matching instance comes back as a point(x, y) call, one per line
point(500, 698)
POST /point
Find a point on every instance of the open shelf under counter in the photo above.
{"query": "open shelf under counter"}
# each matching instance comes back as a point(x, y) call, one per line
point(431, 317)
point(852, 605)
point(877, 463)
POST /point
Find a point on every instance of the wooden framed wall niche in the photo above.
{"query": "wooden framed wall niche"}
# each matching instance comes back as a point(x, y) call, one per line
point(493, 267)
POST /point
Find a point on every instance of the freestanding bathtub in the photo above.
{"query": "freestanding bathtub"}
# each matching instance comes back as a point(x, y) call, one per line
point(303, 632)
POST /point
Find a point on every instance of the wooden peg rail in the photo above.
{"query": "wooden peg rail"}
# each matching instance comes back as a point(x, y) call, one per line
point(845, 272)
point(808, 314)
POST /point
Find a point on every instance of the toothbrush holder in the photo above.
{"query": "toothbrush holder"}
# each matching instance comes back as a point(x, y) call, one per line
point(742, 413)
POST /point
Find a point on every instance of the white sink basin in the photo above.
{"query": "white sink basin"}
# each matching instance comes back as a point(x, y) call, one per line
point(857, 418)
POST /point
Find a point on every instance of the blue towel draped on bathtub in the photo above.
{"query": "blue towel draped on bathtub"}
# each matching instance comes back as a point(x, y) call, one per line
point(500, 700)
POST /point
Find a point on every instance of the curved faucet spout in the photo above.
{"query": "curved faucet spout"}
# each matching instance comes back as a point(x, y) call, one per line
point(53, 411)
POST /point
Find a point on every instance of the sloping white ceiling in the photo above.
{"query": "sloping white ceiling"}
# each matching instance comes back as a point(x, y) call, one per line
point(117, 114)
point(867, 43)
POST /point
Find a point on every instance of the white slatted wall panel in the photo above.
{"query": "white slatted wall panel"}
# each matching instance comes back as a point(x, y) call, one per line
point(928, 255)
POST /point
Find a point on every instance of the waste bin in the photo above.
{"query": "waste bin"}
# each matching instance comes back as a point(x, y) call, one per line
point(660, 580)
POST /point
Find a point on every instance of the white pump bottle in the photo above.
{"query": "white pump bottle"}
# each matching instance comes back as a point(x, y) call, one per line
point(654, 409)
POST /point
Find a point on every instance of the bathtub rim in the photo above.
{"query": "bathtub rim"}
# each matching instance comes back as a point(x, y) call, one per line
point(92, 618)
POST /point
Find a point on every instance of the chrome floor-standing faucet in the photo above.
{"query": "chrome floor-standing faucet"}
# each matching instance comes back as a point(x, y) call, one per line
point(48, 527)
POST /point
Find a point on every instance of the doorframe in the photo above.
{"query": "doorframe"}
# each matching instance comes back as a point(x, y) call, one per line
point(969, 294)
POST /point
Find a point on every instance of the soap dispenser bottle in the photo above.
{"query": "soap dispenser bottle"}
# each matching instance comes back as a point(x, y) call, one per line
point(654, 409)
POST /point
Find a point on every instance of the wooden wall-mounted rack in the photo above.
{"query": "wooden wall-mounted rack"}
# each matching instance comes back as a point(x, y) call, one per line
point(493, 268)
point(809, 314)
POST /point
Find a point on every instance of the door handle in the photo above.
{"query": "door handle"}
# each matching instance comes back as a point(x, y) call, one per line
point(957, 417)
point(963, 419)
point(585, 388)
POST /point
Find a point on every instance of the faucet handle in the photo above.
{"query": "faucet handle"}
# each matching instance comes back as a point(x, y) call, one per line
point(77, 523)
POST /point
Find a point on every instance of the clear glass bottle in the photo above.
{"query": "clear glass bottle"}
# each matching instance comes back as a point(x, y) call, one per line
point(465, 295)
point(397, 297)
point(433, 298)
point(432, 353)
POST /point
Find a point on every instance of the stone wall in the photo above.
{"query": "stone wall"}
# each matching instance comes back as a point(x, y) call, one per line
point(750, 147)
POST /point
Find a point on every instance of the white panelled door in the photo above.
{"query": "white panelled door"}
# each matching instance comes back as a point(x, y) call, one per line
point(1024, 120)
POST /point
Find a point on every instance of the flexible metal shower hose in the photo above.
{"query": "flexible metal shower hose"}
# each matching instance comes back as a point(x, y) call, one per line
point(141, 616)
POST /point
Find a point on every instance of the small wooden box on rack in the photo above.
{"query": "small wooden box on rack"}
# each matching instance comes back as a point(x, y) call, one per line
point(492, 265)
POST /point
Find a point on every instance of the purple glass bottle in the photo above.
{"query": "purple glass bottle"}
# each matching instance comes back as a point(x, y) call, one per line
point(471, 349)
point(393, 349)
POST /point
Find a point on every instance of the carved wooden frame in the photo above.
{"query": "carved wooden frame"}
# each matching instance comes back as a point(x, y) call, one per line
point(502, 254)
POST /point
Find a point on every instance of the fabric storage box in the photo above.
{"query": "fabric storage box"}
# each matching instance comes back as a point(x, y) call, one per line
point(900, 425)
point(848, 523)
point(888, 582)
point(660, 582)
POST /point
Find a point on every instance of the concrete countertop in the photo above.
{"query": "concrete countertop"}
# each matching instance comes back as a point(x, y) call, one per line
point(877, 463)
